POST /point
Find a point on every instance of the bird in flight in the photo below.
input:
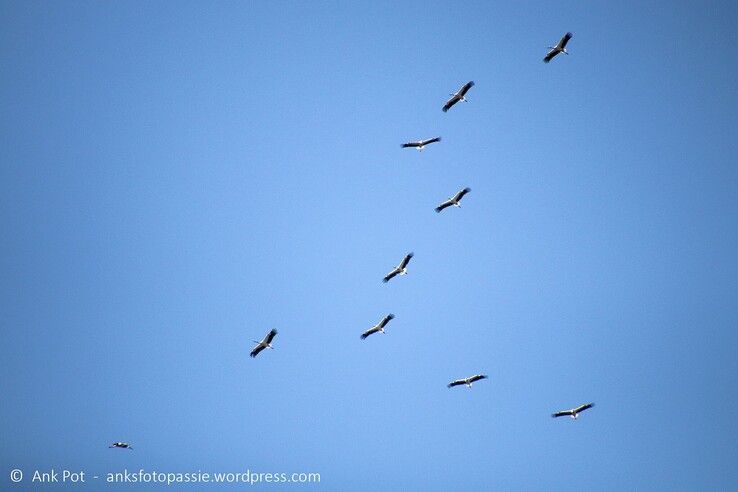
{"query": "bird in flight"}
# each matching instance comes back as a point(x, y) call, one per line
point(454, 200)
point(121, 445)
point(421, 143)
point(559, 48)
point(467, 381)
point(400, 269)
point(573, 412)
point(379, 327)
point(458, 96)
point(265, 343)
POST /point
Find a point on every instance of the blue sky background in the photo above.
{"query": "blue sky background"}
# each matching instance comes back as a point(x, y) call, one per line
point(179, 178)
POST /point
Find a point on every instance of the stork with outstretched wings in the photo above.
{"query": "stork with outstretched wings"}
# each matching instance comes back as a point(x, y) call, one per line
point(559, 48)
point(379, 327)
point(454, 200)
point(265, 343)
point(400, 269)
point(420, 144)
point(458, 96)
point(573, 412)
point(467, 381)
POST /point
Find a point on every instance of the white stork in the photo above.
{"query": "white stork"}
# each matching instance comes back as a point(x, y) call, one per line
point(559, 48)
point(379, 327)
point(573, 412)
point(454, 200)
point(467, 381)
point(458, 96)
point(120, 445)
point(400, 269)
point(265, 343)
point(421, 143)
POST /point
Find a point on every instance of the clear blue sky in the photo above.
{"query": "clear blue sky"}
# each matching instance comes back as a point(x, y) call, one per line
point(178, 178)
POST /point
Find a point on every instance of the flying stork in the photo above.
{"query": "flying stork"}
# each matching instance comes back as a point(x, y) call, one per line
point(421, 143)
point(454, 200)
point(400, 269)
point(459, 96)
point(468, 381)
point(379, 327)
point(573, 413)
point(559, 48)
point(265, 343)
point(121, 445)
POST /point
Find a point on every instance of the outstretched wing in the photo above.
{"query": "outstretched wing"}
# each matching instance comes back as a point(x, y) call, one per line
point(370, 331)
point(445, 204)
point(257, 349)
point(583, 407)
point(386, 320)
point(562, 413)
point(455, 383)
point(550, 56)
point(390, 275)
point(462, 92)
point(430, 141)
point(411, 144)
point(461, 194)
point(565, 39)
point(270, 336)
point(405, 260)
point(477, 377)
point(454, 99)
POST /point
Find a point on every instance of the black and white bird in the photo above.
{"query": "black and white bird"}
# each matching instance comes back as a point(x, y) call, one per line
point(573, 412)
point(121, 445)
point(421, 143)
point(379, 327)
point(458, 96)
point(559, 48)
point(265, 343)
point(467, 381)
point(400, 269)
point(454, 200)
